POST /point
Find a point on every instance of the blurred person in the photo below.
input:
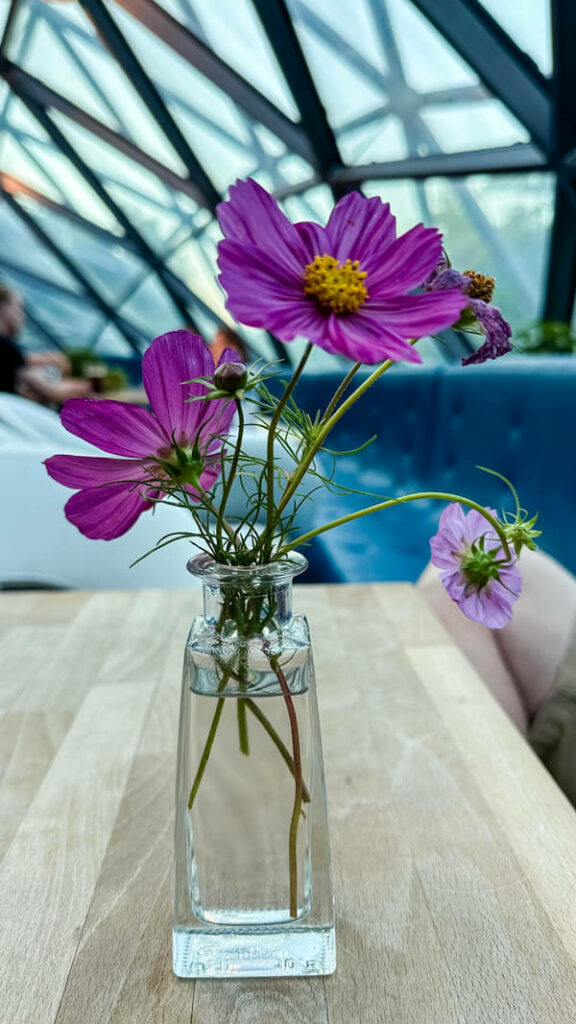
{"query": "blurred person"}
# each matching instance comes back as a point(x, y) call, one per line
point(224, 338)
point(530, 664)
point(38, 376)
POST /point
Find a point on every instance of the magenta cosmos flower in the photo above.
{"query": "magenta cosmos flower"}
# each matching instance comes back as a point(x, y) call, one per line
point(479, 290)
point(473, 567)
point(178, 444)
point(345, 286)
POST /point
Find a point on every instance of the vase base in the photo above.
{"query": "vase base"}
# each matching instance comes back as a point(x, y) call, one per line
point(274, 952)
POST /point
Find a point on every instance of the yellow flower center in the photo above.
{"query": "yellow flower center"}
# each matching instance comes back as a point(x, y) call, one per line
point(335, 287)
point(481, 287)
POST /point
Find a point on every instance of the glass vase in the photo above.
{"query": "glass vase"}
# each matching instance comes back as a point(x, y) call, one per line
point(253, 889)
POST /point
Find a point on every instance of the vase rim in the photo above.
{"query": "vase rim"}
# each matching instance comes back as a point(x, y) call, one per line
point(205, 567)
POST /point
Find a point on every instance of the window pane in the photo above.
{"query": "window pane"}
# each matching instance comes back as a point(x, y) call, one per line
point(223, 138)
point(151, 309)
point(61, 40)
point(235, 33)
point(111, 268)
point(529, 28)
point(496, 224)
point(22, 249)
point(158, 212)
point(112, 343)
point(397, 88)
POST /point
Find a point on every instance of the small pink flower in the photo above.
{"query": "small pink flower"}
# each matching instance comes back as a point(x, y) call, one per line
point(113, 492)
point(346, 286)
point(473, 567)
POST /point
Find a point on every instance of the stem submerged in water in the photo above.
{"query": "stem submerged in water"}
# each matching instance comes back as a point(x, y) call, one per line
point(298, 780)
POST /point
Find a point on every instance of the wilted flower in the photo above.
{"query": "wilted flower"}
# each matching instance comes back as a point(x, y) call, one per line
point(344, 286)
point(177, 444)
point(480, 290)
point(475, 572)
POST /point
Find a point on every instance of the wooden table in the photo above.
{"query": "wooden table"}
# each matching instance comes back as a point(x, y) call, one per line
point(454, 852)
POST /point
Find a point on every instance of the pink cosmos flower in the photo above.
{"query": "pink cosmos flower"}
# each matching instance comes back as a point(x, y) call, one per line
point(178, 444)
point(344, 286)
point(497, 330)
point(474, 570)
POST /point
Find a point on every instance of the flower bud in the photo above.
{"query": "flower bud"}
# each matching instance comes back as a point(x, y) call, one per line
point(230, 377)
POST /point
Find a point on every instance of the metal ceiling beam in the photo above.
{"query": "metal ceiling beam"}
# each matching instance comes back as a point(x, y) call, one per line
point(26, 85)
point(561, 280)
point(507, 71)
point(141, 82)
point(9, 26)
point(564, 76)
point(72, 267)
point(281, 33)
point(180, 39)
point(505, 159)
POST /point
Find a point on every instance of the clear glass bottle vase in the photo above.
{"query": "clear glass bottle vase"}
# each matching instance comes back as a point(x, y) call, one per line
point(253, 890)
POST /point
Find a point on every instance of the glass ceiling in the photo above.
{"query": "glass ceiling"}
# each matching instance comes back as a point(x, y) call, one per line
point(122, 124)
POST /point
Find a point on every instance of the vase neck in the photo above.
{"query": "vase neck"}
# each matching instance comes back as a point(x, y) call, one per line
point(253, 608)
point(247, 600)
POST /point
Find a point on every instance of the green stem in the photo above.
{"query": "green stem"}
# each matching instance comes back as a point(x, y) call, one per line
point(298, 785)
point(232, 473)
point(242, 726)
point(340, 391)
point(209, 742)
point(276, 739)
point(208, 504)
point(420, 496)
point(269, 531)
point(328, 425)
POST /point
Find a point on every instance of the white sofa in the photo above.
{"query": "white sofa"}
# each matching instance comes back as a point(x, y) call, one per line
point(39, 547)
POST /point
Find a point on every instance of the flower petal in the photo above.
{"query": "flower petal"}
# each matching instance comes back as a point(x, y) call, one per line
point(366, 339)
point(498, 333)
point(252, 216)
point(114, 427)
point(172, 360)
point(416, 316)
point(405, 263)
point(103, 513)
point(84, 471)
point(360, 229)
point(256, 283)
point(315, 239)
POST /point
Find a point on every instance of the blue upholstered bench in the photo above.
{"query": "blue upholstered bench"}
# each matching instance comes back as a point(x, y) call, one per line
point(434, 426)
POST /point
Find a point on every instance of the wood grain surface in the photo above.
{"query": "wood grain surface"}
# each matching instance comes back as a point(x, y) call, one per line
point(454, 852)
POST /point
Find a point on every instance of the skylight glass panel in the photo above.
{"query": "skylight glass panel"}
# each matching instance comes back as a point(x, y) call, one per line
point(496, 224)
point(349, 72)
point(22, 249)
point(529, 27)
point(110, 267)
point(147, 201)
point(485, 125)
point(235, 33)
point(219, 133)
point(151, 309)
point(60, 43)
point(111, 342)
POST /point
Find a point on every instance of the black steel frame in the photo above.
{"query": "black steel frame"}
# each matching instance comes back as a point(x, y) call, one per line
point(546, 108)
